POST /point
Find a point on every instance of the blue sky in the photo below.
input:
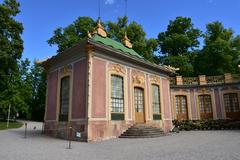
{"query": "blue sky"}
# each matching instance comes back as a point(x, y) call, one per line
point(41, 17)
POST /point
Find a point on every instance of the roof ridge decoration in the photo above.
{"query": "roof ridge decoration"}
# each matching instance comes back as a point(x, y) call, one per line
point(126, 41)
point(171, 68)
point(100, 30)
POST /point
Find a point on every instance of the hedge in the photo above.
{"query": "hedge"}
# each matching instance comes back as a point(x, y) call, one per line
point(206, 124)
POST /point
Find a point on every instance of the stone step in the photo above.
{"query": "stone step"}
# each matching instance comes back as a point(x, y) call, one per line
point(147, 129)
point(142, 131)
point(137, 136)
point(140, 135)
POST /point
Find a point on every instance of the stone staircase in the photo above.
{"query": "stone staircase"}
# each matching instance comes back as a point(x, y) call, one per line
point(142, 131)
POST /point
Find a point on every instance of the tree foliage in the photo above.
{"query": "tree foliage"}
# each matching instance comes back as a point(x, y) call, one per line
point(142, 45)
point(220, 53)
point(68, 36)
point(179, 38)
point(38, 86)
point(17, 91)
point(11, 47)
point(178, 44)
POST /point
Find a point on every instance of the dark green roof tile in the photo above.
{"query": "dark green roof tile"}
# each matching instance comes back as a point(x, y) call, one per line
point(116, 45)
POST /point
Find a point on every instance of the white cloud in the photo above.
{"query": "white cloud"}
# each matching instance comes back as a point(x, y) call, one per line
point(109, 1)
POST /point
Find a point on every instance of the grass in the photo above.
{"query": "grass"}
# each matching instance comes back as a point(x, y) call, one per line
point(3, 125)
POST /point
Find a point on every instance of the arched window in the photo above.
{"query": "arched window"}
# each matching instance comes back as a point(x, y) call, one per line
point(156, 102)
point(64, 98)
point(181, 107)
point(231, 102)
point(117, 98)
point(205, 104)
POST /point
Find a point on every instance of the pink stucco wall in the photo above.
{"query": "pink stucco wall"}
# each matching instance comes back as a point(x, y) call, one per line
point(129, 94)
point(148, 95)
point(102, 130)
point(193, 105)
point(52, 95)
point(99, 89)
point(79, 90)
point(167, 108)
point(218, 104)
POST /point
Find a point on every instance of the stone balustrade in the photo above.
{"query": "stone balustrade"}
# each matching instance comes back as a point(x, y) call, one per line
point(205, 80)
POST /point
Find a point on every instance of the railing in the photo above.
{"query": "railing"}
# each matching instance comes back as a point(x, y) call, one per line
point(190, 81)
point(215, 79)
point(172, 81)
point(205, 80)
point(235, 78)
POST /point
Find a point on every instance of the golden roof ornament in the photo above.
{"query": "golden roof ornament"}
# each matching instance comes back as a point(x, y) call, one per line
point(126, 41)
point(100, 29)
point(39, 62)
point(171, 68)
point(89, 34)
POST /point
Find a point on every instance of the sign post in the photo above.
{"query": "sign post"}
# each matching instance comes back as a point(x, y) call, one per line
point(9, 110)
point(69, 137)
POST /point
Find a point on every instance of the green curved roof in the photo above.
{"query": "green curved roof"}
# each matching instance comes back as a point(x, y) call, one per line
point(116, 45)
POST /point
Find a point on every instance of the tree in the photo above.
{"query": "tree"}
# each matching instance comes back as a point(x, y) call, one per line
point(179, 38)
point(220, 53)
point(11, 47)
point(178, 44)
point(18, 91)
point(142, 45)
point(38, 76)
point(68, 36)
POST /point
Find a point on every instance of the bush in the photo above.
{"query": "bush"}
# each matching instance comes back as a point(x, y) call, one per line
point(206, 124)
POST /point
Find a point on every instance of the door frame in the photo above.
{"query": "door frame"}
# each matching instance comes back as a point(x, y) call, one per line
point(144, 103)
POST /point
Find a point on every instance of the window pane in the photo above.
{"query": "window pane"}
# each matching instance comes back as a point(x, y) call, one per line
point(117, 97)
point(181, 104)
point(64, 98)
point(138, 96)
point(205, 103)
point(231, 102)
point(155, 99)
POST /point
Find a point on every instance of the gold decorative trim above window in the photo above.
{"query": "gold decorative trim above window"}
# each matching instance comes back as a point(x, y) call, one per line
point(65, 70)
point(138, 78)
point(117, 68)
point(154, 79)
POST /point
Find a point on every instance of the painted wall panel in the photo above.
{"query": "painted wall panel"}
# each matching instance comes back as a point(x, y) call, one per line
point(129, 94)
point(99, 89)
point(79, 90)
point(193, 104)
point(167, 107)
point(218, 103)
point(52, 96)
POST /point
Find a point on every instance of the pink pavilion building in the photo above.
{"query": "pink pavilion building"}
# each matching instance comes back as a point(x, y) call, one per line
point(101, 87)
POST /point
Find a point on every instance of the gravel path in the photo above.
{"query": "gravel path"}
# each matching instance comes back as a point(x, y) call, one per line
point(192, 145)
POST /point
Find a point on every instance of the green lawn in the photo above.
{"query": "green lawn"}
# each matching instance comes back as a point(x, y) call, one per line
point(3, 125)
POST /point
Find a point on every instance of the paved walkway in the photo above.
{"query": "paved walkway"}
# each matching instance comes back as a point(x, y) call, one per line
point(193, 145)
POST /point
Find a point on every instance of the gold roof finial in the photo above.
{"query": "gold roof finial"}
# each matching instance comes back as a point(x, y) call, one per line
point(126, 41)
point(89, 34)
point(100, 29)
